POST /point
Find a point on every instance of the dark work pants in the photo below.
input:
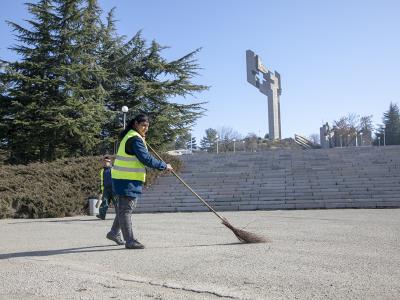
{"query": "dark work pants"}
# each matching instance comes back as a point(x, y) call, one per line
point(123, 218)
point(105, 201)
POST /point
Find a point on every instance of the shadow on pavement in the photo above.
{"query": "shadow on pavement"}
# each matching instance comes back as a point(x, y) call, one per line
point(91, 249)
point(60, 221)
point(59, 251)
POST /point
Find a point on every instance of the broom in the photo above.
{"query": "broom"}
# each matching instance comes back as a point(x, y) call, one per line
point(242, 235)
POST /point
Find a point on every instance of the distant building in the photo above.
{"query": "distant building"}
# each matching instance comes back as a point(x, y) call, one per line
point(179, 152)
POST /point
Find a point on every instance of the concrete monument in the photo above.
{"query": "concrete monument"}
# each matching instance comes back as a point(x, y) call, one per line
point(269, 84)
point(325, 136)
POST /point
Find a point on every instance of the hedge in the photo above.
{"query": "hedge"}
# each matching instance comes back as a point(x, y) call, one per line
point(56, 189)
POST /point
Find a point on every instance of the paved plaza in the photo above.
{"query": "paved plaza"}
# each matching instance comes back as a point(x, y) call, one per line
point(320, 254)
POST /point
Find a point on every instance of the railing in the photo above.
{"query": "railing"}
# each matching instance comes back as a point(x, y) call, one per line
point(305, 143)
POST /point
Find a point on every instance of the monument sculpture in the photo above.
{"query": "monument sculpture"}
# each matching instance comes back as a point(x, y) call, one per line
point(268, 83)
point(326, 134)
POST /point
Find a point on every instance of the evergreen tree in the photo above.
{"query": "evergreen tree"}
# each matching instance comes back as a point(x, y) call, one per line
point(391, 121)
point(208, 141)
point(4, 102)
point(82, 95)
point(112, 59)
point(28, 106)
point(146, 84)
point(55, 100)
point(379, 136)
point(64, 96)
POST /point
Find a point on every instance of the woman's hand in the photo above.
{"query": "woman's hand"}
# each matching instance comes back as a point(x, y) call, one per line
point(169, 168)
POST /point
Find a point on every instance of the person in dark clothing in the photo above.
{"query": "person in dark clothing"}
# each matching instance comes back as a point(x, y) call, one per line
point(128, 175)
point(106, 194)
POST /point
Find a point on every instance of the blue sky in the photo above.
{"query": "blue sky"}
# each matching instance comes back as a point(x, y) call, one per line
point(334, 57)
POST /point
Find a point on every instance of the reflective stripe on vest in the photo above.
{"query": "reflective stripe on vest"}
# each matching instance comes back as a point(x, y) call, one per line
point(133, 158)
point(129, 169)
point(102, 180)
point(128, 166)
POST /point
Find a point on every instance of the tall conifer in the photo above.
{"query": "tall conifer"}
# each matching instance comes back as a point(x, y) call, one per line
point(149, 83)
point(64, 96)
point(32, 91)
point(391, 120)
point(55, 100)
point(82, 93)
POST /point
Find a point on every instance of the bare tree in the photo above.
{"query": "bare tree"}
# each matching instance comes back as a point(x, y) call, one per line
point(226, 135)
point(314, 138)
point(353, 129)
point(366, 123)
point(251, 141)
point(365, 130)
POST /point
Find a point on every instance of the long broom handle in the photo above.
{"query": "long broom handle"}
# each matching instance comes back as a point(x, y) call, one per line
point(189, 188)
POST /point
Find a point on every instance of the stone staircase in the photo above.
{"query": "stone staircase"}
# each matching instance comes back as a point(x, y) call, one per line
point(354, 177)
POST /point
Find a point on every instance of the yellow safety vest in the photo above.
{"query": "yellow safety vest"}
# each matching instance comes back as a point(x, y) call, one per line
point(101, 178)
point(128, 166)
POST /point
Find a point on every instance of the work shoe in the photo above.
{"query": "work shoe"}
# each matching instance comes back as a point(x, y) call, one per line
point(134, 245)
point(101, 217)
point(115, 238)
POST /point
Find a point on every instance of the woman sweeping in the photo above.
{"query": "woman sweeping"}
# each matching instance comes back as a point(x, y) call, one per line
point(128, 176)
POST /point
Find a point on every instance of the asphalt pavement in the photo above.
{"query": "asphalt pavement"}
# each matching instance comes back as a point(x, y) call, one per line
point(312, 254)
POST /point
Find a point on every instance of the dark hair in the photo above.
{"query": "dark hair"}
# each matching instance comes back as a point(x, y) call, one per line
point(140, 118)
point(107, 157)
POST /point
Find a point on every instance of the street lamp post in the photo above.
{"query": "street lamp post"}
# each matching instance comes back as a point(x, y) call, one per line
point(379, 141)
point(244, 145)
point(124, 111)
point(361, 140)
point(234, 149)
point(217, 142)
point(384, 136)
point(356, 139)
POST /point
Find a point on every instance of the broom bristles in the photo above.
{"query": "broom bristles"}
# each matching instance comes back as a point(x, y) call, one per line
point(245, 236)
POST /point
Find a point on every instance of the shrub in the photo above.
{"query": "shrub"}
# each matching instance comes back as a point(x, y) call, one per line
point(56, 189)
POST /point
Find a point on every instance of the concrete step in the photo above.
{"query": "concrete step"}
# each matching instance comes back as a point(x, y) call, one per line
point(283, 179)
